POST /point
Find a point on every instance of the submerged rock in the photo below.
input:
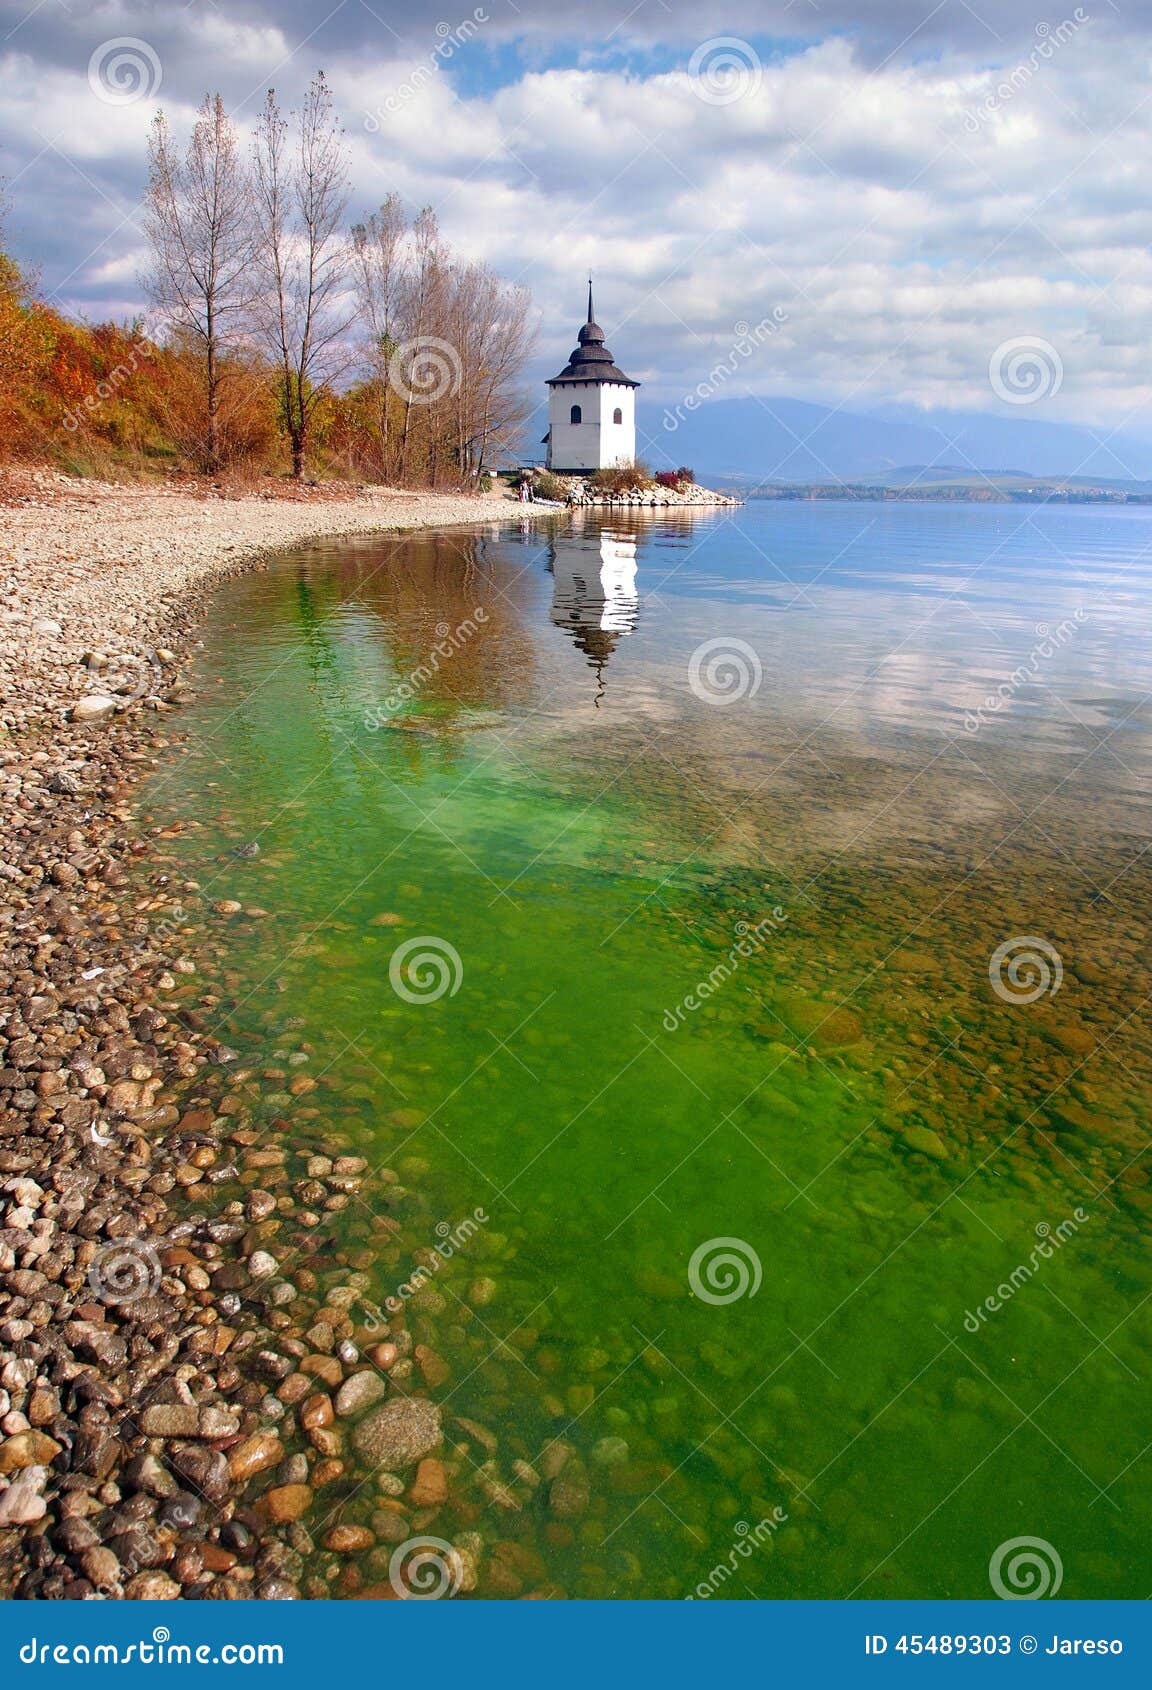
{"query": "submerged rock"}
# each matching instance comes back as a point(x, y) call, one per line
point(824, 1025)
point(359, 1392)
point(261, 1450)
point(430, 1486)
point(285, 1503)
point(348, 1540)
point(398, 1433)
point(926, 1141)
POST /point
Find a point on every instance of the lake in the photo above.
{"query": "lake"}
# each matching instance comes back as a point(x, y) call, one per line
point(726, 936)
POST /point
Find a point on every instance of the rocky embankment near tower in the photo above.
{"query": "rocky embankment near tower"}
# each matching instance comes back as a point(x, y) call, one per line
point(582, 493)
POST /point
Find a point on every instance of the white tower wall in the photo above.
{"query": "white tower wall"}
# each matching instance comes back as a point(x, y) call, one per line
point(597, 441)
point(617, 439)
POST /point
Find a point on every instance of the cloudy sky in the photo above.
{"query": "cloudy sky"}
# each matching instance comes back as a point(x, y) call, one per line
point(910, 186)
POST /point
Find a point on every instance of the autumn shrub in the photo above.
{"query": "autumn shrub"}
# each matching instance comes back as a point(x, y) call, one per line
point(105, 398)
point(28, 335)
point(622, 478)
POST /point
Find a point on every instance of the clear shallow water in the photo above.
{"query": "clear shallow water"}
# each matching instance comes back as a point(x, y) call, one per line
point(886, 1138)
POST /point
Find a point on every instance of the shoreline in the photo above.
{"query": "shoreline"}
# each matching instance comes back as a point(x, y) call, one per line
point(151, 549)
point(131, 1426)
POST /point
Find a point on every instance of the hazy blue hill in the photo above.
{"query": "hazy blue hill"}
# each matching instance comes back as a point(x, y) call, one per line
point(792, 440)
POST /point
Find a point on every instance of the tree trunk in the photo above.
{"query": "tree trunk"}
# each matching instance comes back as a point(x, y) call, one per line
point(404, 441)
point(211, 432)
point(211, 436)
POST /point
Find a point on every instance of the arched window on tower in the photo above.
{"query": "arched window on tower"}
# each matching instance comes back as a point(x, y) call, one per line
point(574, 414)
point(617, 415)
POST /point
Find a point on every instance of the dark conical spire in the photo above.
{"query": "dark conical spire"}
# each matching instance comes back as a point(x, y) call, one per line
point(591, 334)
point(591, 360)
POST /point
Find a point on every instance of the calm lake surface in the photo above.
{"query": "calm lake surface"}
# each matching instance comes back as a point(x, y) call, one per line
point(833, 1272)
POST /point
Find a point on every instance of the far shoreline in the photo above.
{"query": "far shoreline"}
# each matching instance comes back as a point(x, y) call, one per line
point(851, 493)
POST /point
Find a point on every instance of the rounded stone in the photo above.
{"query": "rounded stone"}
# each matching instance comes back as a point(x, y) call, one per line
point(93, 707)
point(348, 1540)
point(399, 1433)
point(360, 1392)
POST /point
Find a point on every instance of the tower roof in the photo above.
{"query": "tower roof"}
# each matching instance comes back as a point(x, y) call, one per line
point(591, 359)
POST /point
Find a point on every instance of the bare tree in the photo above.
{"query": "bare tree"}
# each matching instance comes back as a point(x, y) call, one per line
point(377, 251)
point(421, 294)
point(494, 339)
point(301, 191)
point(198, 223)
point(445, 347)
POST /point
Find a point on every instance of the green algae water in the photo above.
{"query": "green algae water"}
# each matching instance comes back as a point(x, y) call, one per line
point(726, 938)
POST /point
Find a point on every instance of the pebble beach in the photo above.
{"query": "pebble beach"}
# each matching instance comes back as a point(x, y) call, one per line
point(172, 1403)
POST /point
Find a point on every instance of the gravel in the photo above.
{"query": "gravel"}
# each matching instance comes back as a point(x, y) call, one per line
point(149, 1378)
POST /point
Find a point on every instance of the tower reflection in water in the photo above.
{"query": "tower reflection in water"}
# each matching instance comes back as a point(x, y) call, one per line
point(594, 593)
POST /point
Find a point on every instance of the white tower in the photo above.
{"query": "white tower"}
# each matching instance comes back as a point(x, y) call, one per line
point(591, 408)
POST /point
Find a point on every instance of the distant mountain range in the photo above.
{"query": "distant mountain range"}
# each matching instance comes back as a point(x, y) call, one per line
point(751, 440)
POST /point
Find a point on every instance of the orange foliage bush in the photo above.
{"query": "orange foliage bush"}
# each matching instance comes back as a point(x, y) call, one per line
point(106, 398)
